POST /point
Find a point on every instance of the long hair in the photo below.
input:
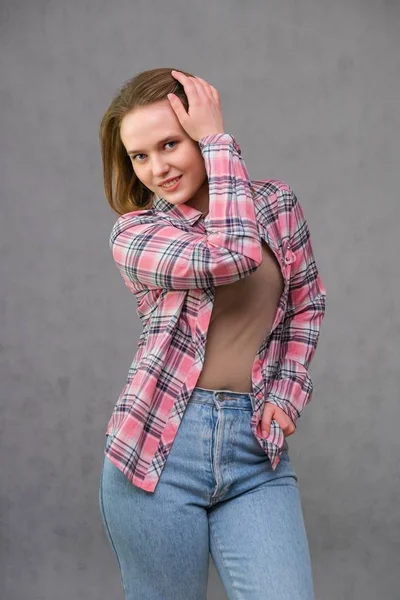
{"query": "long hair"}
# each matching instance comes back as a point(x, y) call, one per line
point(123, 190)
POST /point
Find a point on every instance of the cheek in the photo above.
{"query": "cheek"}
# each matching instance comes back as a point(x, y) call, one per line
point(142, 175)
point(196, 167)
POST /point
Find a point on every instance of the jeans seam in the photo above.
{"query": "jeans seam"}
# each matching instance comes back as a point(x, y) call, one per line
point(108, 528)
point(232, 437)
point(226, 568)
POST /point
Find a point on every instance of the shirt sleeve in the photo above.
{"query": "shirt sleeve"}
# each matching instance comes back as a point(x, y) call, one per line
point(151, 253)
point(292, 386)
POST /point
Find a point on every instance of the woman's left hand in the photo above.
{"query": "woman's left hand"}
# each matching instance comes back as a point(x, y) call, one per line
point(274, 412)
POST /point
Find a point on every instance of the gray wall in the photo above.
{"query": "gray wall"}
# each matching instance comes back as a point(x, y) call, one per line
point(311, 92)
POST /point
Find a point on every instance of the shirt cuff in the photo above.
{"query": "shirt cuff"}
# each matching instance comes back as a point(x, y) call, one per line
point(219, 139)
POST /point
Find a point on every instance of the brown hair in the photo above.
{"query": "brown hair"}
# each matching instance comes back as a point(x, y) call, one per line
point(124, 192)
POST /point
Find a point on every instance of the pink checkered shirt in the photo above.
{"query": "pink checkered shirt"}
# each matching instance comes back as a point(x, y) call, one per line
point(172, 258)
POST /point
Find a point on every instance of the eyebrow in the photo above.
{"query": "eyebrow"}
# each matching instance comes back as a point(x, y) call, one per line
point(161, 142)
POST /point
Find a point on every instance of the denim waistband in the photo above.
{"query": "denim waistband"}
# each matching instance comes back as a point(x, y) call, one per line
point(222, 398)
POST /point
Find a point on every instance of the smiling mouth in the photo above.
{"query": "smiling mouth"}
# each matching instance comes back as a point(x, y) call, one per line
point(172, 183)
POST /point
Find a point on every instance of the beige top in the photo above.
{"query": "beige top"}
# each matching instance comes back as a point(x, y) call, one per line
point(242, 316)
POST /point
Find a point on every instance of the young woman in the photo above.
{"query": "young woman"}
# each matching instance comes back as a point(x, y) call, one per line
point(231, 303)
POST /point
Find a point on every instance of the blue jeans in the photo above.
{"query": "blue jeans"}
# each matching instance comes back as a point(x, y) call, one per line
point(217, 493)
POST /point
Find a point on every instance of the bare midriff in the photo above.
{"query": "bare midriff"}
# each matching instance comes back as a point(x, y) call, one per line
point(242, 317)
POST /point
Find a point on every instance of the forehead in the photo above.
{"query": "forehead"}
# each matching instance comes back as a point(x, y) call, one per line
point(147, 125)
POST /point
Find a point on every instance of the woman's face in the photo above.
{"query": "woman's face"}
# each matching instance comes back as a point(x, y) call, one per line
point(160, 149)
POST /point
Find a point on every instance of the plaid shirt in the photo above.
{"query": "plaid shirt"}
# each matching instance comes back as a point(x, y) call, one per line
point(172, 258)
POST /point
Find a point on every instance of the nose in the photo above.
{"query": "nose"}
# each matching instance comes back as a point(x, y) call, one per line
point(159, 167)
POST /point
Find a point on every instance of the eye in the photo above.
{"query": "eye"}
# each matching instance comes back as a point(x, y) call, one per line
point(134, 157)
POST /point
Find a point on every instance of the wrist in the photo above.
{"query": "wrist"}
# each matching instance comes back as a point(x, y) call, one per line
point(215, 132)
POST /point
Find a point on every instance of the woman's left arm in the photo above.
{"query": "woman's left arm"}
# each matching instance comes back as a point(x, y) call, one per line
point(292, 386)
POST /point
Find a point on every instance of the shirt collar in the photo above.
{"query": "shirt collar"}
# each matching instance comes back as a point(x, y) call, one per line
point(182, 211)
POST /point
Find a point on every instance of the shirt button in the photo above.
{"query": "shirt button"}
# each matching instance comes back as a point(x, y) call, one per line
point(290, 257)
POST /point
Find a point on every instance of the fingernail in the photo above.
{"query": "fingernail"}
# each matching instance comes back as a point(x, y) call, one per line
point(264, 433)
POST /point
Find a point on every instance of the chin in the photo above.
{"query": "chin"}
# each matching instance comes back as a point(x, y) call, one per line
point(178, 201)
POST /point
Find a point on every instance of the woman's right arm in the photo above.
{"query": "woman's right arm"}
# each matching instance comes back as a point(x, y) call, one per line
point(155, 254)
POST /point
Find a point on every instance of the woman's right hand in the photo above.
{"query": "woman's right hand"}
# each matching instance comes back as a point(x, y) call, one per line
point(205, 114)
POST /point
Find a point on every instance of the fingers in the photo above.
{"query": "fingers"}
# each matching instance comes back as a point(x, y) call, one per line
point(210, 89)
point(196, 87)
point(272, 412)
point(266, 420)
point(204, 115)
point(188, 83)
point(178, 108)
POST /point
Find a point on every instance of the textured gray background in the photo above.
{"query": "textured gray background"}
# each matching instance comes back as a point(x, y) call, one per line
point(311, 92)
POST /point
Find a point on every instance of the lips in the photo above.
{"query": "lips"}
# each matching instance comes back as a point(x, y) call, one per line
point(169, 185)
